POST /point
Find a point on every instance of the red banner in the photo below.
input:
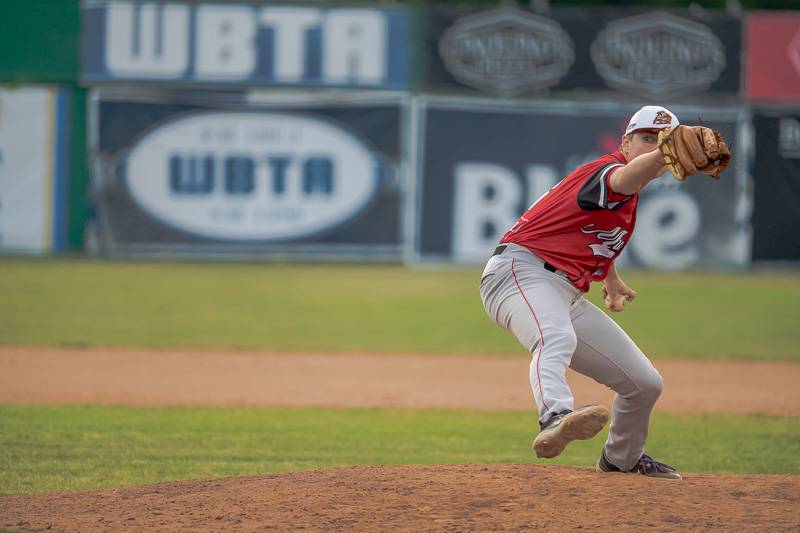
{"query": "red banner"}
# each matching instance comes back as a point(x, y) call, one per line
point(773, 56)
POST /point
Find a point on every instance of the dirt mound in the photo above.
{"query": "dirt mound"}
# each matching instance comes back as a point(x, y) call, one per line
point(417, 498)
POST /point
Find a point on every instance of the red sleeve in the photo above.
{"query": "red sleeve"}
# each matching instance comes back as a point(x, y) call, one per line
point(595, 193)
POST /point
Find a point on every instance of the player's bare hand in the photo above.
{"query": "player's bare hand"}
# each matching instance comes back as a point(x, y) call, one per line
point(616, 294)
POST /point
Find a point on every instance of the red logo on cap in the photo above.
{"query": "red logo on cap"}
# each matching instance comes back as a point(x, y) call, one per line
point(662, 117)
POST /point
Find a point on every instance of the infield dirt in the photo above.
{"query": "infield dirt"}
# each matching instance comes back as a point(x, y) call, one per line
point(423, 498)
point(394, 498)
point(195, 377)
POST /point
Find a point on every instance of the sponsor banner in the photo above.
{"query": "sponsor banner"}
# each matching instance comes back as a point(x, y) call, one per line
point(33, 148)
point(245, 45)
point(191, 174)
point(773, 56)
point(482, 166)
point(509, 52)
point(776, 216)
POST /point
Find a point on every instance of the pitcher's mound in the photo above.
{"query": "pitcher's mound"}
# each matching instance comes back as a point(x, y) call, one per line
point(419, 498)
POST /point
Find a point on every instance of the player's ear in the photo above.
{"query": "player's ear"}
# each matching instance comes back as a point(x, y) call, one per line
point(624, 141)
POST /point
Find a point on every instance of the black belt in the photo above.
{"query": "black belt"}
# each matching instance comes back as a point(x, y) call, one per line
point(502, 248)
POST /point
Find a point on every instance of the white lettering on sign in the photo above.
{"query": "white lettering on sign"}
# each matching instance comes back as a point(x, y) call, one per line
point(667, 227)
point(290, 25)
point(540, 179)
point(350, 37)
point(147, 40)
point(487, 197)
point(789, 137)
point(227, 49)
point(154, 41)
point(251, 176)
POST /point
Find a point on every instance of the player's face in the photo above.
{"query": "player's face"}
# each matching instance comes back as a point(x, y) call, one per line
point(639, 142)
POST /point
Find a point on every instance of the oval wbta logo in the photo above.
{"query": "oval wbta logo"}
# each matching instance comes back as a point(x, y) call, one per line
point(251, 176)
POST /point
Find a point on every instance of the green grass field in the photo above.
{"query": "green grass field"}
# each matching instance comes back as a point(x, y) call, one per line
point(63, 448)
point(366, 308)
point(351, 308)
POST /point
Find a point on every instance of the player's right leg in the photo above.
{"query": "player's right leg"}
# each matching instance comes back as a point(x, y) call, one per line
point(609, 356)
point(534, 304)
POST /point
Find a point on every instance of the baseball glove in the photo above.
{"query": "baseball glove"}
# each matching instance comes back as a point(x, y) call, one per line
point(690, 149)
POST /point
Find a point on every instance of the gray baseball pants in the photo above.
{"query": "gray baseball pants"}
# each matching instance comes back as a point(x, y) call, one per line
point(561, 329)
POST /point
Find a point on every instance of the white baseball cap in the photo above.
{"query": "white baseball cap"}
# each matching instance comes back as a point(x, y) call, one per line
point(652, 117)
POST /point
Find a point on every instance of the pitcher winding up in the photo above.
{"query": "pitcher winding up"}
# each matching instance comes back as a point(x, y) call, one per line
point(533, 286)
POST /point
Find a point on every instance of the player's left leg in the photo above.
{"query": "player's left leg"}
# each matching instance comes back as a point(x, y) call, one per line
point(608, 355)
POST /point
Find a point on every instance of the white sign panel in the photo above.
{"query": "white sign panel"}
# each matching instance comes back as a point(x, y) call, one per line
point(251, 175)
point(26, 169)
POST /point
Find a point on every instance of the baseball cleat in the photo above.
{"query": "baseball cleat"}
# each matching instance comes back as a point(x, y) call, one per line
point(646, 466)
point(567, 426)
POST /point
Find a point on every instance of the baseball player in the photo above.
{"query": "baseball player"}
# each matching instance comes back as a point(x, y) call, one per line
point(534, 282)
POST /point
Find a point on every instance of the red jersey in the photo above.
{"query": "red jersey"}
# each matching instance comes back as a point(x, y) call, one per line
point(580, 226)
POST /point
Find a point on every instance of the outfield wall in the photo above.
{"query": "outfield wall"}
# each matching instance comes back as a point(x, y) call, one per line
point(392, 133)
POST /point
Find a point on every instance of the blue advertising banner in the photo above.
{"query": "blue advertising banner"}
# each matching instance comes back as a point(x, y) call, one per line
point(483, 165)
point(187, 173)
point(776, 169)
point(245, 45)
